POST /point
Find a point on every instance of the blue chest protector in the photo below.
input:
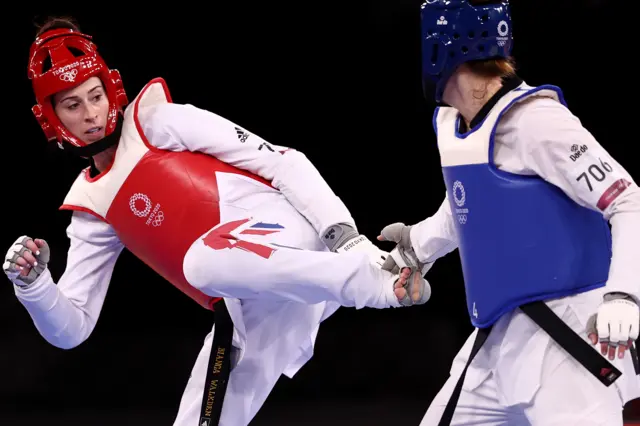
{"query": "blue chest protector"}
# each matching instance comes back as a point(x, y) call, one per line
point(521, 239)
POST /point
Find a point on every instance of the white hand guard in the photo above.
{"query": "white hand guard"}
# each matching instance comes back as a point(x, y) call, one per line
point(403, 254)
point(617, 320)
point(341, 238)
point(12, 269)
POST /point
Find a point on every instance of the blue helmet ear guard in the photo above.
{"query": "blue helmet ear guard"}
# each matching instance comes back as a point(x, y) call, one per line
point(456, 31)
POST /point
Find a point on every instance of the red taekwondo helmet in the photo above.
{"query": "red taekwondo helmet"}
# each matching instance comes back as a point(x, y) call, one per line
point(61, 59)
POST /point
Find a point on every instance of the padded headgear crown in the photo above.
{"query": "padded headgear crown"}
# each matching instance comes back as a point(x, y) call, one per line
point(456, 31)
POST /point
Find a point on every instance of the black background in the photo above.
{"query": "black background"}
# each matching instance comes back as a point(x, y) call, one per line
point(340, 83)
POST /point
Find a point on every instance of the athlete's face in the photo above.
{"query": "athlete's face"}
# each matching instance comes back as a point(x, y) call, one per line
point(83, 110)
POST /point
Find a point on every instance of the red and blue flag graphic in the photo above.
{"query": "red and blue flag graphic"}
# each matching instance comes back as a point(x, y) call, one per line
point(221, 237)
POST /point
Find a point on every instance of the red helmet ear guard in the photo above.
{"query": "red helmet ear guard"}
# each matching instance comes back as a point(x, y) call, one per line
point(73, 59)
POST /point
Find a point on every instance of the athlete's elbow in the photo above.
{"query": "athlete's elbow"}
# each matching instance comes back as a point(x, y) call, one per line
point(68, 337)
point(67, 345)
point(65, 342)
point(293, 167)
point(293, 157)
point(628, 201)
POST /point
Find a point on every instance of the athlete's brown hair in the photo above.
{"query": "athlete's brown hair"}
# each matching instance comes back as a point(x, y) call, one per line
point(56, 22)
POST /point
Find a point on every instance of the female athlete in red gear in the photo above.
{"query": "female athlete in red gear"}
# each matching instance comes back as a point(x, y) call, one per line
point(216, 210)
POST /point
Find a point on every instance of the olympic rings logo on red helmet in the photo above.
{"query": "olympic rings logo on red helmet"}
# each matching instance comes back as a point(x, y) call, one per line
point(69, 76)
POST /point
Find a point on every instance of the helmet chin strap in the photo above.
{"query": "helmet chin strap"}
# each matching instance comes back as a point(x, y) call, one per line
point(94, 148)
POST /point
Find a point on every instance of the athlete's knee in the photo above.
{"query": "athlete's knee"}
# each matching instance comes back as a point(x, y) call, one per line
point(211, 272)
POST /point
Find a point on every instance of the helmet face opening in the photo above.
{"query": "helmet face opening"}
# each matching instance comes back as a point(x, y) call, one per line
point(456, 31)
point(61, 59)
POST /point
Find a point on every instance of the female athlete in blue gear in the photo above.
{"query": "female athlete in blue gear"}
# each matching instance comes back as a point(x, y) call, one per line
point(552, 291)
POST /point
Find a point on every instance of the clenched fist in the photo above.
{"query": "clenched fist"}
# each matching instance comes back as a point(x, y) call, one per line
point(26, 260)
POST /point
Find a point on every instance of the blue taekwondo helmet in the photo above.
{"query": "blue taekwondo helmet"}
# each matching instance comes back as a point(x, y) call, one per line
point(455, 32)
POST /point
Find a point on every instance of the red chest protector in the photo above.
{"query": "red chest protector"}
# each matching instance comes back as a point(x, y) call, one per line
point(158, 202)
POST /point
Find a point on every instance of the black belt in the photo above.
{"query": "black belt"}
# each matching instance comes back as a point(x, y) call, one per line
point(481, 337)
point(218, 368)
point(563, 335)
point(634, 357)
